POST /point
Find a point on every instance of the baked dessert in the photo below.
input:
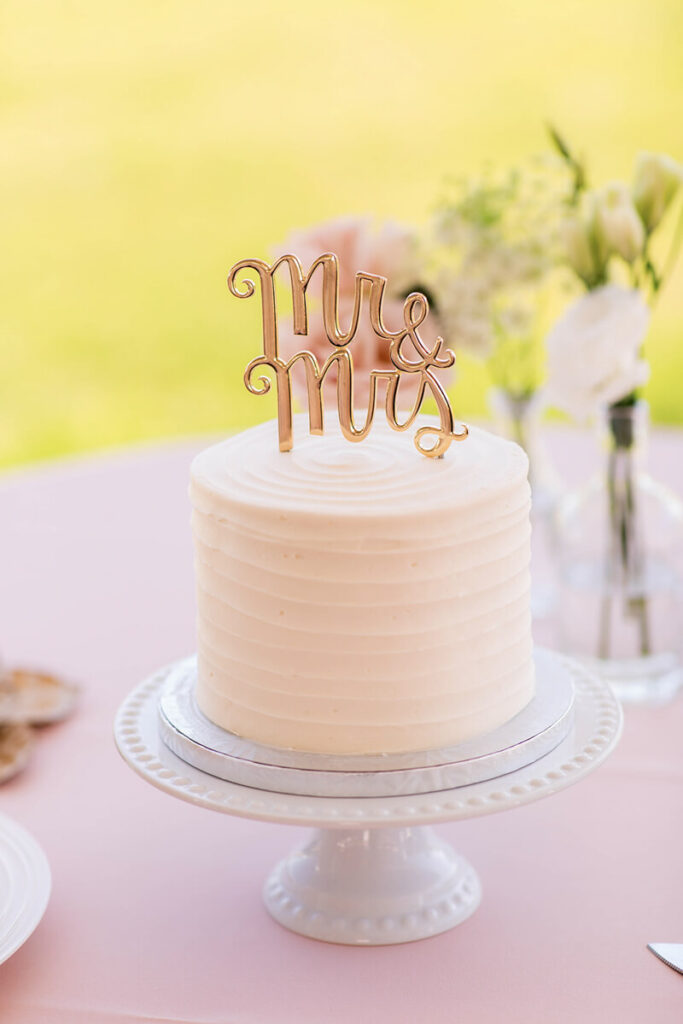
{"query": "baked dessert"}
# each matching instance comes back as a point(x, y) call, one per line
point(361, 599)
point(36, 698)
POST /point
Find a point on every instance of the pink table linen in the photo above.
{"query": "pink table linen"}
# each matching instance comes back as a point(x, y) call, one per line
point(156, 910)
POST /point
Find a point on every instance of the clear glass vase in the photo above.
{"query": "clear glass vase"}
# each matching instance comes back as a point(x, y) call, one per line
point(620, 548)
point(518, 417)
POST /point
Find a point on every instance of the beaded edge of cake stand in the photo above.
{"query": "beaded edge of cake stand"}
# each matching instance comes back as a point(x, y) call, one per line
point(596, 731)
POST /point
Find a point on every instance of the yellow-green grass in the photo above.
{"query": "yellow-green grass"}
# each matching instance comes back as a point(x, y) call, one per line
point(147, 146)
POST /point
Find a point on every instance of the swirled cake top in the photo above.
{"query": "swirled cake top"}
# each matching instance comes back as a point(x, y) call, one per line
point(381, 477)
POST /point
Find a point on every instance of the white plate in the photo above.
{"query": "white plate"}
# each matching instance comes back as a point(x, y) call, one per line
point(24, 886)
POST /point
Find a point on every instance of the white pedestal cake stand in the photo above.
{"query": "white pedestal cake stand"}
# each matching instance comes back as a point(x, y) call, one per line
point(374, 873)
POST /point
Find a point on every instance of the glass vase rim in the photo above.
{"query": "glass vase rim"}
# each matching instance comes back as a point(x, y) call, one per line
point(503, 401)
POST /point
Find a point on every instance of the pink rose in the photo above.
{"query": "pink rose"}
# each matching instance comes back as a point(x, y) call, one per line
point(388, 250)
point(369, 352)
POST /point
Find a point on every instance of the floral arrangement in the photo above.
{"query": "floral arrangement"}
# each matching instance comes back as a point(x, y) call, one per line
point(595, 351)
point(596, 364)
point(497, 242)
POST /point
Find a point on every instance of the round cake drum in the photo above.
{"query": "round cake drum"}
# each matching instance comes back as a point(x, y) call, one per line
point(530, 735)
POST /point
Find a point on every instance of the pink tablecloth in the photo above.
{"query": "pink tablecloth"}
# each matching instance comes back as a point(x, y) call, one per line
point(156, 912)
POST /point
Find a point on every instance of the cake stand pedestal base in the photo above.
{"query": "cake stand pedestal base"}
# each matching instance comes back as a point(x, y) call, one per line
point(372, 886)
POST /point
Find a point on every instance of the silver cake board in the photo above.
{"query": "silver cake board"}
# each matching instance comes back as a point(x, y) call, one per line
point(530, 735)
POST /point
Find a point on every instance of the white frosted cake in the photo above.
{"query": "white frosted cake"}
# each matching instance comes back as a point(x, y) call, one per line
point(359, 598)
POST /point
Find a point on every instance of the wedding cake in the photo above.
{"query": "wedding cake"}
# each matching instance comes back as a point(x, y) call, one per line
point(361, 599)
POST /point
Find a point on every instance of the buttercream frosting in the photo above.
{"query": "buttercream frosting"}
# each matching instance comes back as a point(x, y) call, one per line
point(361, 598)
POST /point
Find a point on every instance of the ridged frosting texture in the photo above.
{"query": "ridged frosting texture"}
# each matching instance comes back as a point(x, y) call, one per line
point(361, 598)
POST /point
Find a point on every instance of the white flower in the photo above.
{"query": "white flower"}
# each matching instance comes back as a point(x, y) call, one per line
point(465, 313)
point(617, 223)
point(580, 249)
point(657, 179)
point(594, 351)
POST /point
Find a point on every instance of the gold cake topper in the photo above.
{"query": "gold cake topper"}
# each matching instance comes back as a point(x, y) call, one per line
point(419, 359)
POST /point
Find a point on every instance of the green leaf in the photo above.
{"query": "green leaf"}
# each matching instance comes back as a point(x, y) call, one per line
point(560, 144)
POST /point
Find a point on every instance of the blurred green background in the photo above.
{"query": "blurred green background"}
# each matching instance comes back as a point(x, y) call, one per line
point(147, 146)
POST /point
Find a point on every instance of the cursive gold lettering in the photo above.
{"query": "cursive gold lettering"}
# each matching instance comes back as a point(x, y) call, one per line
point(421, 361)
